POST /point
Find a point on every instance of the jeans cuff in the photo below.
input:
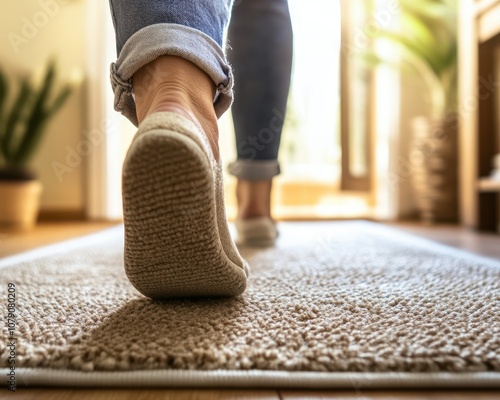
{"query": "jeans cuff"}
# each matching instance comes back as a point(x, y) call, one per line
point(254, 170)
point(157, 40)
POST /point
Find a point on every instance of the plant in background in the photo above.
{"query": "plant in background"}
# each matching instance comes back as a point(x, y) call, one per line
point(23, 124)
point(427, 42)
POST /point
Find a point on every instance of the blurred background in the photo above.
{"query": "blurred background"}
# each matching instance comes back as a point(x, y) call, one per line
point(392, 114)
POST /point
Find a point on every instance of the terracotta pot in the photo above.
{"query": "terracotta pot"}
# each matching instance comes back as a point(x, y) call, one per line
point(434, 178)
point(19, 204)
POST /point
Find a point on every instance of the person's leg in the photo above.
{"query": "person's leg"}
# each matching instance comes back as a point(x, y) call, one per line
point(260, 50)
point(183, 88)
point(172, 79)
point(189, 30)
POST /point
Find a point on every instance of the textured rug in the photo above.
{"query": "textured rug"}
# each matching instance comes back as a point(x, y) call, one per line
point(345, 304)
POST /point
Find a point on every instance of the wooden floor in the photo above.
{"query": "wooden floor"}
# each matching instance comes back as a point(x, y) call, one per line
point(154, 394)
point(483, 244)
point(486, 244)
point(46, 233)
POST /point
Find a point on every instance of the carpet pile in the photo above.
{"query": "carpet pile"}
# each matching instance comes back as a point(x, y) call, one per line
point(331, 304)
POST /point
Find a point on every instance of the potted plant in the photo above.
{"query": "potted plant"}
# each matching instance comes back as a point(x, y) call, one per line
point(426, 43)
point(23, 122)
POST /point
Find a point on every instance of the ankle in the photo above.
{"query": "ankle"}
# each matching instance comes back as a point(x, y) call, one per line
point(249, 213)
point(162, 97)
point(254, 199)
point(173, 84)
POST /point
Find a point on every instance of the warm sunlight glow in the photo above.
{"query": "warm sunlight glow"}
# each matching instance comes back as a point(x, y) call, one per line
point(310, 153)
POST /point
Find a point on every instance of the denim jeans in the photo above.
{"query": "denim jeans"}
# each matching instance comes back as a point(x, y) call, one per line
point(260, 38)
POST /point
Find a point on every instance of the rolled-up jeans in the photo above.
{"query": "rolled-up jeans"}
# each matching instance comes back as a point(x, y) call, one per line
point(260, 37)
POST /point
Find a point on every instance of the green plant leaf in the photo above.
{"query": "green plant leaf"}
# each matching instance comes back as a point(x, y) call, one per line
point(36, 118)
point(426, 42)
point(407, 46)
point(41, 114)
point(4, 90)
point(14, 118)
point(60, 100)
point(421, 40)
point(36, 135)
point(32, 139)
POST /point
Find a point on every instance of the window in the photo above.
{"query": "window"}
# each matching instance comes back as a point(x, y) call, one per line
point(312, 151)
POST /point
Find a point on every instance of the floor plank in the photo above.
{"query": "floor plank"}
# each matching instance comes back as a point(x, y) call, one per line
point(47, 233)
point(482, 243)
point(390, 395)
point(186, 394)
point(146, 394)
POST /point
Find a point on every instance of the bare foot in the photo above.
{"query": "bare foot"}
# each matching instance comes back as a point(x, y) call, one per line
point(174, 84)
point(254, 198)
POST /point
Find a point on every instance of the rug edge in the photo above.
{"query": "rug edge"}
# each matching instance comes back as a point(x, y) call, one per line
point(404, 237)
point(375, 227)
point(256, 379)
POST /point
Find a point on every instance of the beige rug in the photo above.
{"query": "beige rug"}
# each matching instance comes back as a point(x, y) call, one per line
point(346, 304)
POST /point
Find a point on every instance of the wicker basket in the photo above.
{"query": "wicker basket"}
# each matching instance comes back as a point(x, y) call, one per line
point(434, 154)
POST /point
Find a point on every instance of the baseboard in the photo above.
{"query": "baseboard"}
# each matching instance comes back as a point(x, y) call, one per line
point(61, 215)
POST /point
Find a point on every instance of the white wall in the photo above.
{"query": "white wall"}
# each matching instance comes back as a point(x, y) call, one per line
point(31, 32)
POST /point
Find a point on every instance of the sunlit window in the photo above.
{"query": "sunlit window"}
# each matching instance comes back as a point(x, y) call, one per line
point(310, 152)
